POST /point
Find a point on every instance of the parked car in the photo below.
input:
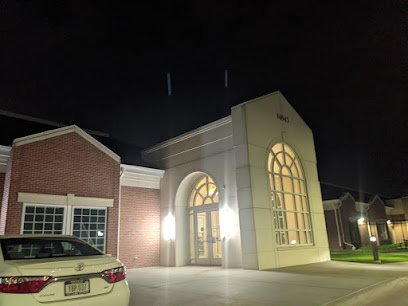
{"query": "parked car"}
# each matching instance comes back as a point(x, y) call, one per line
point(59, 270)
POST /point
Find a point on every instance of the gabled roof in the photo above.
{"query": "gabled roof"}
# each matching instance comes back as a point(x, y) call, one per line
point(63, 131)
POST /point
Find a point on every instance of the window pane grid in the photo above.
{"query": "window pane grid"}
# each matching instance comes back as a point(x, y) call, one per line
point(204, 192)
point(289, 199)
point(89, 225)
point(43, 220)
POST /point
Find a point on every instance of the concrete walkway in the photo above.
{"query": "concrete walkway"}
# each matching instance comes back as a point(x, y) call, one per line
point(329, 283)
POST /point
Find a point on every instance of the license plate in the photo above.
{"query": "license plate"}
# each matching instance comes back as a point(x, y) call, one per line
point(77, 287)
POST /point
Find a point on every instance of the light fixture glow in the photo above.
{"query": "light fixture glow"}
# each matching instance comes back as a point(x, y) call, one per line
point(212, 190)
point(373, 239)
point(100, 234)
point(227, 221)
point(169, 227)
point(361, 220)
point(293, 242)
point(388, 222)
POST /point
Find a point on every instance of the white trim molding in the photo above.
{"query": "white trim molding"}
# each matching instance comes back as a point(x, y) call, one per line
point(69, 199)
point(136, 176)
point(63, 131)
point(4, 158)
point(198, 131)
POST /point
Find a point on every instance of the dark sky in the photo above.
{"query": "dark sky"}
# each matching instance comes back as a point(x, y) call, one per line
point(342, 65)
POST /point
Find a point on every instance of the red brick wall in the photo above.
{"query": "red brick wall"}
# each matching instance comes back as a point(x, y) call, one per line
point(139, 227)
point(332, 231)
point(2, 179)
point(61, 165)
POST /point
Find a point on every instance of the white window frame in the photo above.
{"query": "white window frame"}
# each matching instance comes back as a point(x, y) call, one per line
point(274, 197)
point(90, 207)
point(64, 219)
point(68, 217)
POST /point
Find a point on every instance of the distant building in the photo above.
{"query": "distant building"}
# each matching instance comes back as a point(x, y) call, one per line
point(350, 223)
point(242, 191)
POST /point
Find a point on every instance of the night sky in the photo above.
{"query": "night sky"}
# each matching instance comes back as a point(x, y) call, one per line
point(342, 65)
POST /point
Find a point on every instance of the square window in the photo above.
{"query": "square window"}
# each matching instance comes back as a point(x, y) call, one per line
point(85, 212)
point(38, 226)
point(29, 218)
point(58, 226)
point(39, 218)
point(39, 210)
point(59, 211)
point(94, 219)
point(58, 219)
point(48, 226)
point(101, 212)
point(28, 226)
point(92, 226)
point(49, 218)
point(94, 212)
point(30, 209)
point(49, 210)
point(85, 219)
point(77, 211)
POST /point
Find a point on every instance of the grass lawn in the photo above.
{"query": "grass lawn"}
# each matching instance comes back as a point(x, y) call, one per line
point(387, 254)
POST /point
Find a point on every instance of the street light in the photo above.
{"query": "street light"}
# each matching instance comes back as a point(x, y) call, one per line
point(374, 247)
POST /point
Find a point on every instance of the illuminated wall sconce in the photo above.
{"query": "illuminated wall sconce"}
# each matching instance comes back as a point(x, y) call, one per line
point(388, 222)
point(227, 223)
point(169, 227)
point(373, 239)
point(361, 220)
point(293, 242)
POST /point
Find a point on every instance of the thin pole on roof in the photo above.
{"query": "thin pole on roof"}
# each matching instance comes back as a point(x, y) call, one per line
point(168, 84)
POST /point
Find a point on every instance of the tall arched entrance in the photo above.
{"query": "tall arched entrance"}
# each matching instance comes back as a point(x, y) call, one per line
point(205, 236)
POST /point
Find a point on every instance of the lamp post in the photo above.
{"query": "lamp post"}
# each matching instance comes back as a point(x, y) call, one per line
point(374, 247)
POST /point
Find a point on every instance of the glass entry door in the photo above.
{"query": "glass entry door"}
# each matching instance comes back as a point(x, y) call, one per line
point(205, 237)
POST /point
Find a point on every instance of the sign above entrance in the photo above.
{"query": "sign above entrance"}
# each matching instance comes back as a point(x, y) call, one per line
point(283, 118)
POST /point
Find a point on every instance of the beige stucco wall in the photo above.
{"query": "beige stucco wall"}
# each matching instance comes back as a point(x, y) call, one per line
point(256, 128)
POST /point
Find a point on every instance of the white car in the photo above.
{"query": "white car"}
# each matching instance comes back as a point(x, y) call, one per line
point(59, 270)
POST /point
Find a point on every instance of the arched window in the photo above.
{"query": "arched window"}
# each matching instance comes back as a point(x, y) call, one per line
point(204, 192)
point(289, 197)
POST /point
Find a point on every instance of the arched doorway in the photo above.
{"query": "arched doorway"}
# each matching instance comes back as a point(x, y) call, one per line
point(205, 237)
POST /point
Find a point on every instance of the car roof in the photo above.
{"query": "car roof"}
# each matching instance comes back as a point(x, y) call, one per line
point(36, 236)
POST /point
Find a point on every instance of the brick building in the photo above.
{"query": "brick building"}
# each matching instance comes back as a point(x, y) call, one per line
point(64, 181)
point(242, 191)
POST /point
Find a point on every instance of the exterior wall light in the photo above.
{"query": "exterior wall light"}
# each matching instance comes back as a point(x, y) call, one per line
point(388, 222)
point(227, 223)
point(373, 239)
point(169, 227)
point(361, 220)
point(293, 242)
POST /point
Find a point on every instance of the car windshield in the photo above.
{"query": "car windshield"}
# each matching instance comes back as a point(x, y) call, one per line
point(37, 247)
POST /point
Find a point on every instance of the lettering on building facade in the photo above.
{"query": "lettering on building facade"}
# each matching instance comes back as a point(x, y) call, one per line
point(283, 118)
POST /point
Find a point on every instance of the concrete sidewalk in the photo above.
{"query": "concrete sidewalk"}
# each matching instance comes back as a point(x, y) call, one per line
point(328, 283)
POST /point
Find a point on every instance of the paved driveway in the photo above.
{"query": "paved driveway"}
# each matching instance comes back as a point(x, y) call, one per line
point(326, 283)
